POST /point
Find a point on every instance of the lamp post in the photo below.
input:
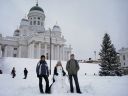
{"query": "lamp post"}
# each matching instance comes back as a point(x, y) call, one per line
point(50, 49)
point(95, 54)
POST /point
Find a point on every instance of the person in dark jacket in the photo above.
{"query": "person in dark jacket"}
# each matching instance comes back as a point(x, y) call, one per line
point(0, 71)
point(25, 73)
point(43, 72)
point(72, 67)
point(13, 73)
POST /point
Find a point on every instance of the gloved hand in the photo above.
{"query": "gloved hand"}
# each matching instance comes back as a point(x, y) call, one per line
point(56, 74)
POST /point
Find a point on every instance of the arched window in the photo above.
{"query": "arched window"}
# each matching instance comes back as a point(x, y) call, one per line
point(38, 18)
point(15, 48)
point(34, 22)
point(30, 22)
point(123, 57)
point(38, 22)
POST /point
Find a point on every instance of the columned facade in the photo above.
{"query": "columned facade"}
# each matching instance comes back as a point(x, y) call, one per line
point(31, 39)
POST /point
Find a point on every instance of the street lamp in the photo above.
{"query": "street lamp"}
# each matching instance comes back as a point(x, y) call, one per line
point(50, 49)
point(95, 54)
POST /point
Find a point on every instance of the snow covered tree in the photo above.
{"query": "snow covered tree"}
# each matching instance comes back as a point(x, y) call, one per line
point(109, 60)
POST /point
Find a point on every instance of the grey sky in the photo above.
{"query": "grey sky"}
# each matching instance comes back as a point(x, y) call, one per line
point(83, 22)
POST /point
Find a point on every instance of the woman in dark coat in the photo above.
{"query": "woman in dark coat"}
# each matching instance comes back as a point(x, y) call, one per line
point(13, 73)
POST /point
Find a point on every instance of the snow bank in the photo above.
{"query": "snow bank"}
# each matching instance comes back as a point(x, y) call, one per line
point(20, 63)
point(90, 85)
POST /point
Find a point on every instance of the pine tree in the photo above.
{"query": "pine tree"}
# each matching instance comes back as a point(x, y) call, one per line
point(109, 60)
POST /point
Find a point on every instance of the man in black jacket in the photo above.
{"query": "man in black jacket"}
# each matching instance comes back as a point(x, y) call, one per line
point(13, 72)
point(73, 67)
point(42, 72)
point(25, 73)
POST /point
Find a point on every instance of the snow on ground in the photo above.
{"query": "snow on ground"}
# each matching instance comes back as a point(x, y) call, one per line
point(90, 85)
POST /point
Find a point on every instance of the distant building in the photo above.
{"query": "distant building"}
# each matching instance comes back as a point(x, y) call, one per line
point(31, 39)
point(123, 55)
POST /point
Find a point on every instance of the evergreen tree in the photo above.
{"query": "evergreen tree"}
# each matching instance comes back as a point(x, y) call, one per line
point(109, 60)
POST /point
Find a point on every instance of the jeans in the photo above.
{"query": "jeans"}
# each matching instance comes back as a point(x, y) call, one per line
point(41, 85)
point(76, 83)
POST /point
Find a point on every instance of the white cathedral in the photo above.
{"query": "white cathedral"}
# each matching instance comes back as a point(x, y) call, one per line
point(31, 39)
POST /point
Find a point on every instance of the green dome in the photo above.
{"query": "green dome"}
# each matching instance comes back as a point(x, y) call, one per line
point(36, 8)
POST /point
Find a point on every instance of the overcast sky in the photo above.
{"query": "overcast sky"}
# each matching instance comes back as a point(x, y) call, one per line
point(83, 22)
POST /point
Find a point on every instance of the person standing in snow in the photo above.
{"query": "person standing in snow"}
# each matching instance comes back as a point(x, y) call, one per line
point(43, 72)
point(72, 67)
point(25, 73)
point(0, 71)
point(13, 73)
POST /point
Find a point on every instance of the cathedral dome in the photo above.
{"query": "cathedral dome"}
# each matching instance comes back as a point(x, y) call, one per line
point(24, 22)
point(37, 8)
point(56, 28)
point(16, 32)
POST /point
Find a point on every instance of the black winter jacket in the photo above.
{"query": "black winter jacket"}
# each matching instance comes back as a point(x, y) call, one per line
point(42, 68)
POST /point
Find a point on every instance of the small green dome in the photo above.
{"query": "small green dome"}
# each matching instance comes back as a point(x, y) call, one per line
point(36, 8)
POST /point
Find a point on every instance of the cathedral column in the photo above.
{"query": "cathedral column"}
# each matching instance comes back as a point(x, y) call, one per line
point(55, 52)
point(19, 51)
point(62, 52)
point(5, 51)
point(39, 50)
point(52, 52)
point(70, 51)
point(58, 58)
point(32, 49)
point(29, 51)
point(67, 55)
point(45, 49)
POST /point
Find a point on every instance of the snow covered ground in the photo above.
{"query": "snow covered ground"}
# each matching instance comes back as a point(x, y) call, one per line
point(90, 85)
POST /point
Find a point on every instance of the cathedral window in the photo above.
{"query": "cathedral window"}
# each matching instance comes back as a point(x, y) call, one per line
point(16, 34)
point(15, 48)
point(123, 57)
point(34, 22)
point(39, 18)
point(38, 22)
point(30, 22)
point(14, 55)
